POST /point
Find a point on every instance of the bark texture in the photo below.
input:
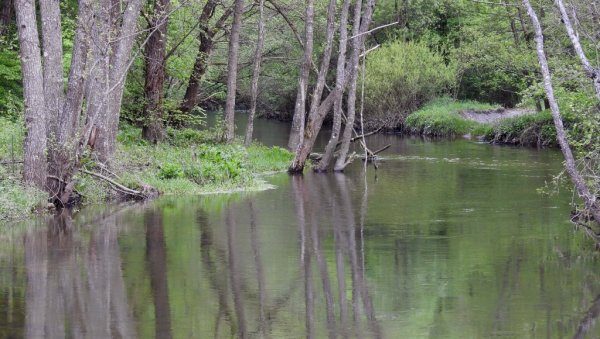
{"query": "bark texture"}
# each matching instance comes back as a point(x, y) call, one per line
point(154, 72)
point(120, 62)
point(339, 91)
point(298, 121)
point(578, 180)
point(35, 166)
point(358, 42)
point(53, 67)
point(260, 41)
point(232, 67)
point(316, 115)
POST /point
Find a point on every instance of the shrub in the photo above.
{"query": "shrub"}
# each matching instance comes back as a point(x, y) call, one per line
point(401, 76)
point(170, 171)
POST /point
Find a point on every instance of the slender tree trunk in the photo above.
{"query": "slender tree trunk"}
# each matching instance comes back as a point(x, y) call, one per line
point(297, 131)
point(315, 118)
point(578, 180)
point(190, 99)
point(155, 63)
point(260, 41)
point(591, 72)
point(232, 67)
point(68, 120)
point(357, 46)
point(339, 90)
point(35, 165)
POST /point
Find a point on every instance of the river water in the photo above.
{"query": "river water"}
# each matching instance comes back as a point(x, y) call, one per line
point(447, 239)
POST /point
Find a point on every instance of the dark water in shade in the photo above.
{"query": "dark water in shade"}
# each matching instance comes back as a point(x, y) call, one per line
point(447, 239)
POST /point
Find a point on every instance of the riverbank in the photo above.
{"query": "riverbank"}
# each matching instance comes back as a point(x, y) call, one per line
point(445, 117)
point(188, 162)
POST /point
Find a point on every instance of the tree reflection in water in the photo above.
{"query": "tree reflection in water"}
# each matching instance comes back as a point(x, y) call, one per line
point(75, 286)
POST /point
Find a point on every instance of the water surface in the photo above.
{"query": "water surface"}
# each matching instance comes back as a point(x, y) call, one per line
point(447, 239)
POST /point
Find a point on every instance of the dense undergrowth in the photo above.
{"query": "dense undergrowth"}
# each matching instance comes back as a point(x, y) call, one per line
point(188, 162)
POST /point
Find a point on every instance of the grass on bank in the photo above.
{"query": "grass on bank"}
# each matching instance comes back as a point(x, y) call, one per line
point(16, 200)
point(441, 118)
point(188, 162)
point(526, 130)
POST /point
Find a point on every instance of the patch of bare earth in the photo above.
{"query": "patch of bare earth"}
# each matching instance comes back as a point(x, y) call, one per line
point(494, 115)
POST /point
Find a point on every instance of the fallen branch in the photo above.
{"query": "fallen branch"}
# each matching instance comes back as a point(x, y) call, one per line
point(115, 185)
point(382, 149)
point(362, 136)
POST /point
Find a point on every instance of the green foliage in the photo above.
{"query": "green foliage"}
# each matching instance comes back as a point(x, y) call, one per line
point(192, 162)
point(441, 118)
point(170, 171)
point(18, 201)
point(11, 92)
point(11, 139)
point(402, 76)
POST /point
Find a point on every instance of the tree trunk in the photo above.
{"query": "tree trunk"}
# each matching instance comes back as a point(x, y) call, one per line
point(155, 63)
point(190, 99)
point(591, 72)
point(68, 120)
point(315, 119)
point(98, 85)
point(357, 47)
point(35, 164)
point(232, 67)
point(579, 182)
point(339, 90)
point(260, 40)
point(120, 62)
point(297, 131)
point(53, 66)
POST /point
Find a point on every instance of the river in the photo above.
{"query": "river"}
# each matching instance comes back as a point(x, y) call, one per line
point(447, 239)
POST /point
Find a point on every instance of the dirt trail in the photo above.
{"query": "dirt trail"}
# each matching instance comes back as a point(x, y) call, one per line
point(494, 115)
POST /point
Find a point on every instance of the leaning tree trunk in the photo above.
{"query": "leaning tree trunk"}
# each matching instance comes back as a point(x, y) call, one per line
point(260, 41)
point(155, 63)
point(206, 36)
point(297, 131)
point(315, 119)
point(35, 165)
point(339, 91)
point(591, 72)
point(232, 67)
point(588, 198)
point(358, 43)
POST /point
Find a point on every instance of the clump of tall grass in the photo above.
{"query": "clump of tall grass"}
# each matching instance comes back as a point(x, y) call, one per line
point(441, 118)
